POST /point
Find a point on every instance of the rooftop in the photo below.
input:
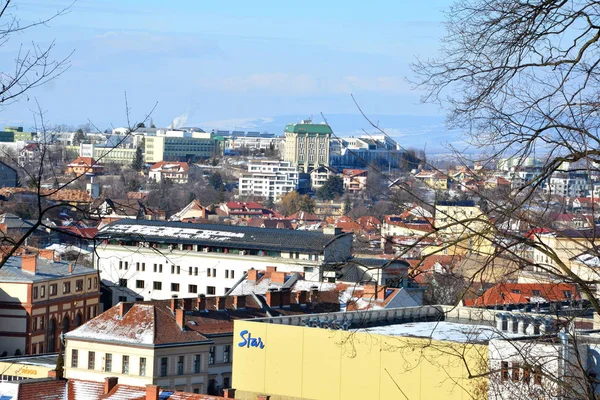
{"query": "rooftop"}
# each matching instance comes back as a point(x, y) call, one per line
point(210, 235)
point(46, 270)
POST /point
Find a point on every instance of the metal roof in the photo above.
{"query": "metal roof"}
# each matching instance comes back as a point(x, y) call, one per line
point(46, 270)
point(242, 237)
point(308, 128)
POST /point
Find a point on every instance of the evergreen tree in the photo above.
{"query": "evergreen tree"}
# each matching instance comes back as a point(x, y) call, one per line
point(332, 188)
point(138, 161)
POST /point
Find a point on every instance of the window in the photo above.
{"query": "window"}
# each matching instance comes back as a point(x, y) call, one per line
point(180, 365)
point(160, 268)
point(232, 274)
point(42, 322)
point(190, 271)
point(91, 360)
point(193, 288)
point(137, 266)
point(122, 282)
point(197, 363)
point(143, 267)
point(126, 264)
point(211, 355)
point(53, 289)
point(66, 287)
point(567, 294)
point(172, 269)
point(42, 291)
point(175, 287)
point(196, 271)
point(210, 290)
point(163, 366)
point(139, 284)
point(214, 272)
point(178, 269)
point(155, 268)
point(526, 376)
point(79, 285)
point(74, 358)
point(108, 362)
point(226, 382)
point(120, 264)
point(142, 366)
point(208, 272)
point(157, 285)
point(227, 274)
point(515, 371)
point(125, 365)
point(226, 353)
point(95, 283)
point(34, 324)
point(35, 292)
point(504, 371)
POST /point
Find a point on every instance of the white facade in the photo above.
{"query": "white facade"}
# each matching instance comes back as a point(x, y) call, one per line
point(269, 179)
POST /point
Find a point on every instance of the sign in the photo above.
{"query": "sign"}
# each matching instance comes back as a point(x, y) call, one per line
point(249, 341)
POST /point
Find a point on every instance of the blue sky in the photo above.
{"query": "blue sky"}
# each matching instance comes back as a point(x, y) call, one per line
point(236, 64)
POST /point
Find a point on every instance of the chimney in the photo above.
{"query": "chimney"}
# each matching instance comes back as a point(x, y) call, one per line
point(229, 393)
point(124, 307)
point(301, 297)
point(273, 298)
point(381, 292)
point(285, 297)
point(110, 383)
point(70, 268)
point(29, 263)
point(221, 303)
point(47, 254)
point(332, 230)
point(369, 290)
point(271, 269)
point(201, 302)
point(174, 302)
point(239, 302)
point(187, 303)
point(278, 277)
point(252, 275)
point(152, 392)
point(180, 318)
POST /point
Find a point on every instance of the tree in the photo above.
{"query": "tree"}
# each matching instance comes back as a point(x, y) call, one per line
point(141, 125)
point(521, 78)
point(332, 188)
point(216, 181)
point(138, 161)
point(269, 203)
point(306, 203)
point(289, 203)
point(79, 137)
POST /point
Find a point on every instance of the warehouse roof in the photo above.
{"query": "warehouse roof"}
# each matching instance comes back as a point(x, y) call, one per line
point(242, 237)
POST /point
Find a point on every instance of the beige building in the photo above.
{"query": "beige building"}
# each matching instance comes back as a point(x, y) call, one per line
point(181, 146)
point(42, 298)
point(307, 145)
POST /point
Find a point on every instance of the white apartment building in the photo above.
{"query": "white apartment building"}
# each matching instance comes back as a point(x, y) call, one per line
point(269, 179)
point(148, 260)
point(568, 184)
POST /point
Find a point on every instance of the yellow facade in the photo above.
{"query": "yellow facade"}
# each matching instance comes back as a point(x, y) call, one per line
point(314, 363)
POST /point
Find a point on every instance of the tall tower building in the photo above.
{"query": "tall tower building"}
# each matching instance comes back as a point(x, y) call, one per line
point(307, 145)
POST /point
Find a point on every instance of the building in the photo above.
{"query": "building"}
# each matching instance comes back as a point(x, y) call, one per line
point(107, 154)
point(360, 152)
point(41, 298)
point(177, 344)
point(176, 172)
point(307, 145)
point(434, 179)
point(355, 180)
point(575, 183)
point(156, 259)
point(427, 352)
point(180, 145)
point(84, 165)
point(193, 211)
point(27, 367)
point(8, 176)
point(525, 294)
point(269, 179)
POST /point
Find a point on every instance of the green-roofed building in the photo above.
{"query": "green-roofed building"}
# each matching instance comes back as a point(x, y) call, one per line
point(307, 145)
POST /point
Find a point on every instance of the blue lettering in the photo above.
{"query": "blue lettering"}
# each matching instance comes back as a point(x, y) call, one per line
point(249, 341)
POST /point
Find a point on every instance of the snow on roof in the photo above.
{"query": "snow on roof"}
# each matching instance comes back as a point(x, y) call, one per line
point(9, 390)
point(442, 330)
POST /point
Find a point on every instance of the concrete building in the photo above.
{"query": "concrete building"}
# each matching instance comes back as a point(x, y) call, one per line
point(181, 145)
point(269, 179)
point(427, 352)
point(156, 259)
point(8, 176)
point(568, 184)
point(355, 180)
point(177, 344)
point(41, 298)
point(307, 145)
point(360, 152)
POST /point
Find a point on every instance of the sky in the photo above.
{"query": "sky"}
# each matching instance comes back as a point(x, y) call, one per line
point(235, 65)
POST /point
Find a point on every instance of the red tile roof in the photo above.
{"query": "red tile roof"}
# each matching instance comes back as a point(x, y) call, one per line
point(523, 293)
point(163, 164)
point(42, 389)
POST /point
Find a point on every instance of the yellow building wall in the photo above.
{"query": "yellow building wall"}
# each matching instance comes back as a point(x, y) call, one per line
point(313, 363)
